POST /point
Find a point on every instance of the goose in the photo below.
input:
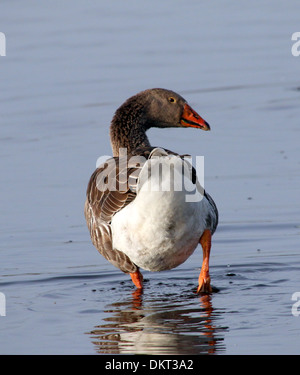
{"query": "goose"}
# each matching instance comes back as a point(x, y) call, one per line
point(139, 218)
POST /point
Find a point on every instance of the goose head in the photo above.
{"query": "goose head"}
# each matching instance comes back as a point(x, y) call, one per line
point(165, 108)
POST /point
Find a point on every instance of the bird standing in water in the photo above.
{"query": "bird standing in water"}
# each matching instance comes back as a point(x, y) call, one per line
point(134, 222)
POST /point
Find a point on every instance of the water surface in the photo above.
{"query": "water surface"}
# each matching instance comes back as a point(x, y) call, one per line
point(67, 68)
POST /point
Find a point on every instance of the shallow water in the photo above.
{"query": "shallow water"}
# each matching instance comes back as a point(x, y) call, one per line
point(65, 72)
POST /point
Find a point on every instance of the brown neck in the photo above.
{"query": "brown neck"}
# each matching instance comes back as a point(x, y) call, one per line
point(128, 130)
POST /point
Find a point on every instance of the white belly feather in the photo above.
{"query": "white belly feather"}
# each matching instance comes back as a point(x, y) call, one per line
point(159, 230)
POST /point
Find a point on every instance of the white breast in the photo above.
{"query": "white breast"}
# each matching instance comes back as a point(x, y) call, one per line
point(159, 230)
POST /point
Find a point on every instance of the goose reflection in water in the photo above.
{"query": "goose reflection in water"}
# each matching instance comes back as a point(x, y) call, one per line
point(168, 324)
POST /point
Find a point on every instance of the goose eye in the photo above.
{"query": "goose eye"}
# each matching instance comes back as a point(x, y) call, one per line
point(171, 99)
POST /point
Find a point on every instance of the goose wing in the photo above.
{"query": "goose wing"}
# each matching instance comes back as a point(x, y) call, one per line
point(108, 192)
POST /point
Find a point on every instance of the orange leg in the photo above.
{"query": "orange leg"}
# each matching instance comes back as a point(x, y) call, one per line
point(204, 278)
point(137, 279)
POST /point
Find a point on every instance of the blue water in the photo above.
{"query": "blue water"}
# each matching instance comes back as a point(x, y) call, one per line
point(67, 68)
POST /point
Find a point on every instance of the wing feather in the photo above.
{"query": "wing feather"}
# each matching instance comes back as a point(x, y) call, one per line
point(108, 192)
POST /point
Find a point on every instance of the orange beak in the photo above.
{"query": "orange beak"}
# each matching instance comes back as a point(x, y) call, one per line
point(191, 119)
